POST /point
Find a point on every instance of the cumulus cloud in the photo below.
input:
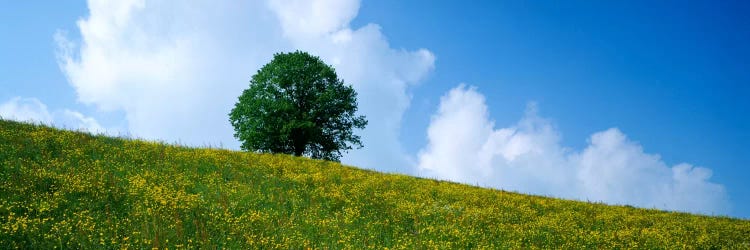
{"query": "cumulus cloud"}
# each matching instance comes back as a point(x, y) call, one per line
point(176, 68)
point(25, 109)
point(75, 120)
point(173, 69)
point(33, 110)
point(304, 18)
point(464, 145)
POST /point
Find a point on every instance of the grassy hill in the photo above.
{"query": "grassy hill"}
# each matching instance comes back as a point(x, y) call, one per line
point(68, 189)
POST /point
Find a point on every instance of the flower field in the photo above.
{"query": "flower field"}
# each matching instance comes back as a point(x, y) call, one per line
point(65, 189)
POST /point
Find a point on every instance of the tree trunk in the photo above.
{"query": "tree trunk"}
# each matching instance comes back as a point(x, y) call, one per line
point(299, 142)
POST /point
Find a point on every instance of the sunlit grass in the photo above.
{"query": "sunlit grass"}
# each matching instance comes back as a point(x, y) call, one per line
point(63, 189)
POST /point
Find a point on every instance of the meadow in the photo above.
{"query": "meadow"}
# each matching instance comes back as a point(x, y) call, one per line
point(67, 189)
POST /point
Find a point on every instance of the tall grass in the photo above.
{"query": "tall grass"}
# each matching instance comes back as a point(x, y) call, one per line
point(64, 189)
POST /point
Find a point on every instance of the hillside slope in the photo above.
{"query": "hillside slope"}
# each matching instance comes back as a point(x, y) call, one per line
point(74, 190)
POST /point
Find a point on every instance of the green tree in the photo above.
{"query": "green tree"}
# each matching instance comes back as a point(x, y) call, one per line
point(296, 104)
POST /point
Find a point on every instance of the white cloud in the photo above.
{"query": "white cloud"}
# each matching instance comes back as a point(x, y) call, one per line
point(463, 145)
point(75, 120)
point(304, 18)
point(25, 109)
point(176, 68)
point(33, 110)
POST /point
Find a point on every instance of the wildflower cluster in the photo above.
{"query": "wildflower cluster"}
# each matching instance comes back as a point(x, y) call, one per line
point(64, 189)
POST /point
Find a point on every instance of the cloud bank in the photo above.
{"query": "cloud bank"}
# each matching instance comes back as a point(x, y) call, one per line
point(464, 145)
point(176, 68)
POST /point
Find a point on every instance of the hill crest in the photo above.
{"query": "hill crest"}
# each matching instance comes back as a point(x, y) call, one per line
point(75, 190)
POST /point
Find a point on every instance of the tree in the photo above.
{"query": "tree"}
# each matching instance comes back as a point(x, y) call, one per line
point(296, 104)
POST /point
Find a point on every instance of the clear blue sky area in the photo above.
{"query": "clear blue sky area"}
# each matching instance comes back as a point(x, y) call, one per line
point(672, 75)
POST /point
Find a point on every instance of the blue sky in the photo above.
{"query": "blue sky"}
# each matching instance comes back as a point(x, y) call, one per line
point(613, 85)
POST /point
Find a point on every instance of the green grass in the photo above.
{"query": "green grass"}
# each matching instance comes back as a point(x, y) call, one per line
point(64, 189)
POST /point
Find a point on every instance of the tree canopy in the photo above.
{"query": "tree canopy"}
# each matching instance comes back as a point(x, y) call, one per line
point(296, 104)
